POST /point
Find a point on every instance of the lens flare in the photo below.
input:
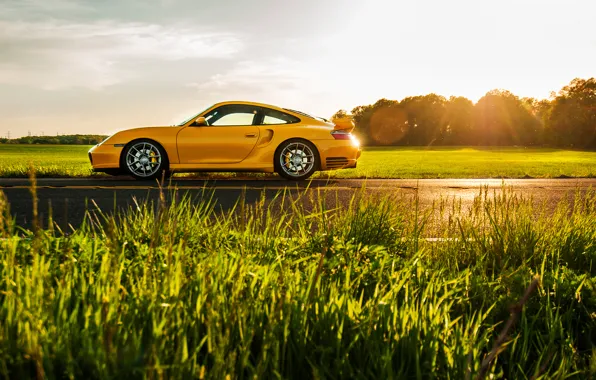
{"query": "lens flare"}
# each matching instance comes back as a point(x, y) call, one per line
point(388, 125)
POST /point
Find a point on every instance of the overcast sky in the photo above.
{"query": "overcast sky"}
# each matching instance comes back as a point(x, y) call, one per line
point(94, 66)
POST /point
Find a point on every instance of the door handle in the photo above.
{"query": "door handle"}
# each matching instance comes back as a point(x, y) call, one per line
point(250, 135)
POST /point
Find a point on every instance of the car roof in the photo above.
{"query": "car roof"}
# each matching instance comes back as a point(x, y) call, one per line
point(285, 110)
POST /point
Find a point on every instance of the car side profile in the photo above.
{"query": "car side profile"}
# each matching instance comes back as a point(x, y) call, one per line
point(233, 137)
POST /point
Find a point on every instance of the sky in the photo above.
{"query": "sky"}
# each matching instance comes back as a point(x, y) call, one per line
point(97, 67)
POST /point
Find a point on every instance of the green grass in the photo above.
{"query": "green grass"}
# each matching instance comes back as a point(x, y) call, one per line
point(381, 162)
point(274, 290)
point(462, 162)
point(48, 160)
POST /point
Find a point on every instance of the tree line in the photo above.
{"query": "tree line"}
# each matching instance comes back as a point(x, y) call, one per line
point(57, 140)
point(499, 118)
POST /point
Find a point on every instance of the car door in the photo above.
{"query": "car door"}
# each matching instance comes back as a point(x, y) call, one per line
point(229, 138)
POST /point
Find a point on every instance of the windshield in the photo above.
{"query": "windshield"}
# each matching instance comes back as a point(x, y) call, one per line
point(193, 117)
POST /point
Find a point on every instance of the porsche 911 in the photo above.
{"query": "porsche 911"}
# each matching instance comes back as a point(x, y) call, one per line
point(232, 137)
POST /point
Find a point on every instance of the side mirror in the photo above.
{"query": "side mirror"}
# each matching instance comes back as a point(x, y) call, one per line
point(200, 121)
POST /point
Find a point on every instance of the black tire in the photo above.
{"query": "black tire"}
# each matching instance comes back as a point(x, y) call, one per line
point(145, 159)
point(296, 169)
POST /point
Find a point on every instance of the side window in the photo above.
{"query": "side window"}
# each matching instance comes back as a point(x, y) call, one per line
point(273, 120)
point(232, 114)
point(276, 117)
point(235, 119)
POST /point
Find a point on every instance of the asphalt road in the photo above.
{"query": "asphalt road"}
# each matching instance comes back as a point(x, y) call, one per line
point(68, 199)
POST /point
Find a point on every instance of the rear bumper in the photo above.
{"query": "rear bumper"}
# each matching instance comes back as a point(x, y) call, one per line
point(337, 154)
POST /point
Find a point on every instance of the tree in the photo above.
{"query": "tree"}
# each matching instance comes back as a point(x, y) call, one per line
point(540, 109)
point(572, 120)
point(388, 125)
point(382, 131)
point(425, 119)
point(460, 122)
point(361, 115)
point(63, 140)
point(500, 118)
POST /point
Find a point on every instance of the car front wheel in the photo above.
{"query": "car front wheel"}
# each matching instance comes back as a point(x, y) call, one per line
point(144, 159)
point(296, 159)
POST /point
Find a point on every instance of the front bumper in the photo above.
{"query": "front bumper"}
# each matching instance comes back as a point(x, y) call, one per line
point(105, 156)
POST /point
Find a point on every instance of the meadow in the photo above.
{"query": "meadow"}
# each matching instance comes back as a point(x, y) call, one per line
point(471, 162)
point(376, 162)
point(277, 290)
point(48, 160)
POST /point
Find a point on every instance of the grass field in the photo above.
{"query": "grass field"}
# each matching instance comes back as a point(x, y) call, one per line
point(394, 162)
point(405, 162)
point(181, 291)
point(48, 160)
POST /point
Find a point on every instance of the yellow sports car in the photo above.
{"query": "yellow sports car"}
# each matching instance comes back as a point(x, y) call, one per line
point(232, 136)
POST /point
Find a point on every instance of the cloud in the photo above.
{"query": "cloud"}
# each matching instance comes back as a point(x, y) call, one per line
point(274, 74)
point(33, 8)
point(280, 81)
point(55, 54)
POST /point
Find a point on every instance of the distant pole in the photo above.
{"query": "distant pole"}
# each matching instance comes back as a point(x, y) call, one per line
point(29, 133)
point(8, 135)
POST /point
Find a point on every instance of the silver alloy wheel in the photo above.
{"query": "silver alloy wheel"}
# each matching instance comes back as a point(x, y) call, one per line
point(143, 159)
point(297, 159)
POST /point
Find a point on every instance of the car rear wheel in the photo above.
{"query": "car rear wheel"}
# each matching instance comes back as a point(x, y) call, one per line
point(145, 159)
point(296, 159)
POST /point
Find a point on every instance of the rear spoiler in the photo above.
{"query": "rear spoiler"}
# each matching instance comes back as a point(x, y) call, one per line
point(343, 124)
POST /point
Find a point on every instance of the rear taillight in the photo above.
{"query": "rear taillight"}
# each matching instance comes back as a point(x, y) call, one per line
point(341, 135)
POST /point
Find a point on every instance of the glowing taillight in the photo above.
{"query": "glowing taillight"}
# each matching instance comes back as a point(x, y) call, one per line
point(345, 135)
point(341, 135)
